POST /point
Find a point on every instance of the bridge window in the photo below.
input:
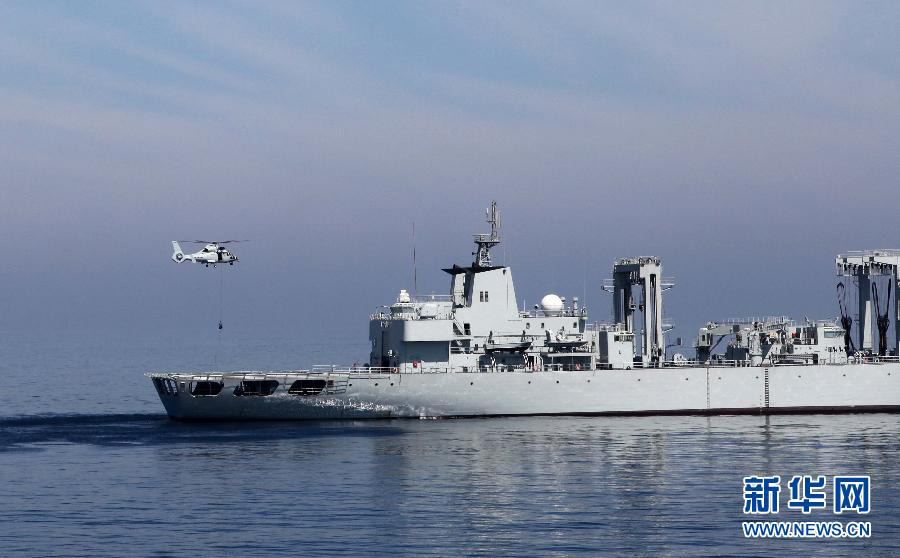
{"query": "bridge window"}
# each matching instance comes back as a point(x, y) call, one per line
point(256, 387)
point(309, 387)
point(467, 329)
point(205, 388)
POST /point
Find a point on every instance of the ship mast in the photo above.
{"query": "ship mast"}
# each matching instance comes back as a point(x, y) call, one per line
point(485, 242)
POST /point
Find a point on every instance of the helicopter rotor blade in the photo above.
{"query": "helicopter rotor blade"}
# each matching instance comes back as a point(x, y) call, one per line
point(212, 241)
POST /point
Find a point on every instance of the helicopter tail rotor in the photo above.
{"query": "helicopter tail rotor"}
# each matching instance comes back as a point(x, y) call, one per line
point(177, 254)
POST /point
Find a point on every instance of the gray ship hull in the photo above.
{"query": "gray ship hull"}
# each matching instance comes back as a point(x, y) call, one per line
point(679, 390)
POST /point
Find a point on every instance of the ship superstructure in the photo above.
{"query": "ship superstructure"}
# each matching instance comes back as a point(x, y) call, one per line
point(475, 352)
point(479, 324)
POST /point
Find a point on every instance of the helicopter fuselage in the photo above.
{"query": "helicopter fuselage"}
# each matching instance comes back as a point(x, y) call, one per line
point(210, 255)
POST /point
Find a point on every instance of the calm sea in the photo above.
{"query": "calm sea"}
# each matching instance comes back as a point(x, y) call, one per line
point(89, 466)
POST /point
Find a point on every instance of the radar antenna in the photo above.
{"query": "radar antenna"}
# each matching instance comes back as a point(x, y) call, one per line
point(487, 241)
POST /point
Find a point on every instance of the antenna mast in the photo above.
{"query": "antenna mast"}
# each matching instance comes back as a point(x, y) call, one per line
point(487, 241)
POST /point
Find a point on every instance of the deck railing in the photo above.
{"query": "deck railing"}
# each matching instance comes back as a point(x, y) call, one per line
point(431, 298)
point(875, 359)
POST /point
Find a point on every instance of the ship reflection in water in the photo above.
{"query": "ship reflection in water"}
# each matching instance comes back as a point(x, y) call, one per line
point(518, 487)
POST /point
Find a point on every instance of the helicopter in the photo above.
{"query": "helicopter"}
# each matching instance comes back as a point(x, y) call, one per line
point(213, 253)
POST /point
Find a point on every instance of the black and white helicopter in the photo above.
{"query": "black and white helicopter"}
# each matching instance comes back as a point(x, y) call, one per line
point(213, 253)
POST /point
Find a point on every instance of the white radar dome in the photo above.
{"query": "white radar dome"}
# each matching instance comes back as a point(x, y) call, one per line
point(551, 303)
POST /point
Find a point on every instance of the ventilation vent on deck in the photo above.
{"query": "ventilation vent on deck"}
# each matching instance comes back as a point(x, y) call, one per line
point(256, 387)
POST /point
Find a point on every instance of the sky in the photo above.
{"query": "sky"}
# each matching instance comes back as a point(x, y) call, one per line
point(744, 143)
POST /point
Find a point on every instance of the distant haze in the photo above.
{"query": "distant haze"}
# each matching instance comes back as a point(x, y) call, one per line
point(743, 143)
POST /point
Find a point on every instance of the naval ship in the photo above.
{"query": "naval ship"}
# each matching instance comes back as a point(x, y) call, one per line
point(475, 352)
